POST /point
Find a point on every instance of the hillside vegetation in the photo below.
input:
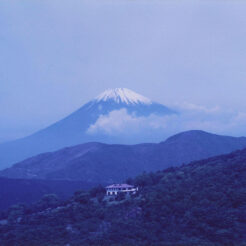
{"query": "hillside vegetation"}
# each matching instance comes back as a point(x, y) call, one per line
point(203, 203)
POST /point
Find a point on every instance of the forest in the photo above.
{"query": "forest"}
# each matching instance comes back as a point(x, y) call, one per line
point(202, 203)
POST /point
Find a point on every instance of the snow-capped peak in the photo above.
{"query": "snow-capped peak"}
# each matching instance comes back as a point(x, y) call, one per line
point(123, 95)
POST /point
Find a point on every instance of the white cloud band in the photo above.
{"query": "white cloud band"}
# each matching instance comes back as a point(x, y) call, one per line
point(191, 117)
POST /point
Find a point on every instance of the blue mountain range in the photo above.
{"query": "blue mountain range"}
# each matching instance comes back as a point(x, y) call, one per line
point(74, 128)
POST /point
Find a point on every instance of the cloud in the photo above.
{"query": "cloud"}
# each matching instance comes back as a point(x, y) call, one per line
point(191, 117)
point(197, 108)
point(121, 122)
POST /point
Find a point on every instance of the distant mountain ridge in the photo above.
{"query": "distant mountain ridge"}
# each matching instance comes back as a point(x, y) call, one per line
point(72, 130)
point(103, 163)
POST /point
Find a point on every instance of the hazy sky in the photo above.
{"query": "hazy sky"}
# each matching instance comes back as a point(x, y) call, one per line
point(56, 55)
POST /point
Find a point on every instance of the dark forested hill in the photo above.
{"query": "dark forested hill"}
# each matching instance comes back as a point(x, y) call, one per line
point(95, 162)
point(202, 203)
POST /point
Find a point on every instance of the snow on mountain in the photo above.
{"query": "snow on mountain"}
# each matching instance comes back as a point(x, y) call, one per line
point(98, 114)
point(123, 95)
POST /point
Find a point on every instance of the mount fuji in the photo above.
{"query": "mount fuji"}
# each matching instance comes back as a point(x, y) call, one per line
point(77, 128)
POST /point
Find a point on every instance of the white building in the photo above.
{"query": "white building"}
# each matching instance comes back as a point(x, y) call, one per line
point(113, 190)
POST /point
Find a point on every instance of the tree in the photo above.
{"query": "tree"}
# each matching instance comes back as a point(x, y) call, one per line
point(97, 191)
point(16, 212)
point(49, 201)
point(81, 197)
point(121, 196)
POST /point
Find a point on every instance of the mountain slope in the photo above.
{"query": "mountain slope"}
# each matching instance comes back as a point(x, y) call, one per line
point(96, 162)
point(74, 129)
point(14, 191)
point(202, 203)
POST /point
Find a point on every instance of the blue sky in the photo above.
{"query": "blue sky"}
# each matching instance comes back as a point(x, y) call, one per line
point(56, 55)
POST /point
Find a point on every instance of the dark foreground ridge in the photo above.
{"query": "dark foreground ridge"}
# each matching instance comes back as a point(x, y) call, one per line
point(203, 203)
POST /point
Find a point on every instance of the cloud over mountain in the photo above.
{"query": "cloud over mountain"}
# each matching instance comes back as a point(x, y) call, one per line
point(190, 116)
point(124, 117)
point(126, 110)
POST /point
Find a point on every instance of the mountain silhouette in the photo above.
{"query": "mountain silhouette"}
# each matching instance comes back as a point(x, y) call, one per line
point(73, 129)
point(110, 163)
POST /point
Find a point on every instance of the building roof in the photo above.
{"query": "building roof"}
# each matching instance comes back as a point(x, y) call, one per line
point(119, 186)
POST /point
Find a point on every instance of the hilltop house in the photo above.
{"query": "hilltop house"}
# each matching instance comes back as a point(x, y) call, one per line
point(113, 190)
